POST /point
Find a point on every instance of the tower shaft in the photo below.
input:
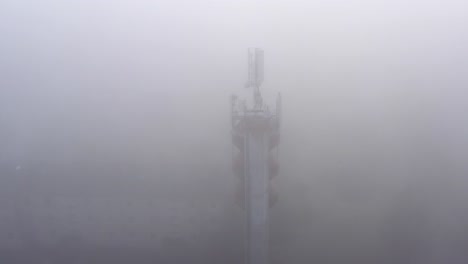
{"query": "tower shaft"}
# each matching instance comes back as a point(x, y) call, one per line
point(256, 191)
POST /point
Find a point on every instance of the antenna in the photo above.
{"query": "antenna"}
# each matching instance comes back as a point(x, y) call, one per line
point(255, 74)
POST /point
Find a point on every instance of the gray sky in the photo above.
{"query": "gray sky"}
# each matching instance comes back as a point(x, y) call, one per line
point(154, 76)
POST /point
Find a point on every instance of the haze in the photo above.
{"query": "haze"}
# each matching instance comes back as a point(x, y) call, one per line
point(115, 134)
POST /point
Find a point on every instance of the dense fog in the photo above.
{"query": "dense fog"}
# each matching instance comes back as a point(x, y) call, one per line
point(115, 142)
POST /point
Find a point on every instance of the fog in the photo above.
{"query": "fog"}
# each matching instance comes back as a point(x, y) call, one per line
point(115, 142)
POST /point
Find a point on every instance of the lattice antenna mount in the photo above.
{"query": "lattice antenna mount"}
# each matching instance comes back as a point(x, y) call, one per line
point(255, 75)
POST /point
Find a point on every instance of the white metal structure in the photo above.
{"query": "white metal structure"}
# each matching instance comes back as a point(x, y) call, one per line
point(255, 133)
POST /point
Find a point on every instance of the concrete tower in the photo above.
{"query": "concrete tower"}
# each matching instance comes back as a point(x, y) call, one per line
point(255, 134)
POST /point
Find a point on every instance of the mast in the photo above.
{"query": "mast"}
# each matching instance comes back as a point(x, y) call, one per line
point(255, 134)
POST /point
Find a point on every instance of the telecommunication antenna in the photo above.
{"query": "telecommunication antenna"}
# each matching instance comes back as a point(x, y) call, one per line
point(255, 134)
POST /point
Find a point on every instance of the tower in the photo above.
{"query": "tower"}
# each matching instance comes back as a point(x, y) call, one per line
point(255, 134)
